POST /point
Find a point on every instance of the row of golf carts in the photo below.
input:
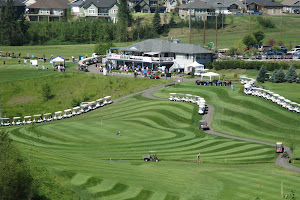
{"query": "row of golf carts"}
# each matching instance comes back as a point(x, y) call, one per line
point(271, 96)
point(48, 117)
point(190, 99)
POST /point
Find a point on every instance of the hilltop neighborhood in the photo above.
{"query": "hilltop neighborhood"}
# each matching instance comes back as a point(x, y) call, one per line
point(38, 10)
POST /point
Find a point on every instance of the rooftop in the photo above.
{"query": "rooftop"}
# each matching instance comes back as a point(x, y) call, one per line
point(152, 45)
point(53, 4)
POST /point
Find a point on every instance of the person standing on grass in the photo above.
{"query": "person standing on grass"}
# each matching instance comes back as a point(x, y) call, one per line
point(3, 62)
point(232, 87)
point(198, 158)
point(19, 62)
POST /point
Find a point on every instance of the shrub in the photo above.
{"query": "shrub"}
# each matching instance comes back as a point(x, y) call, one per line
point(266, 22)
point(76, 102)
point(291, 75)
point(46, 91)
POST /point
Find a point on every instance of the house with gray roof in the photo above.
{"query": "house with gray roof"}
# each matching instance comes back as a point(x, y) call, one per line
point(290, 5)
point(197, 9)
point(265, 6)
point(53, 10)
point(221, 6)
point(146, 6)
point(154, 53)
point(95, 8)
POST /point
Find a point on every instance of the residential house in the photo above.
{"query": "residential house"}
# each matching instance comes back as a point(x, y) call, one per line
point(265, 6)
point(18, 6)
point(222, 6)
point(47, 10)
point(290, 5)
point(170, 5)
point(153, 53)
point(95, 8)
point(147, 6)
point(197, 9)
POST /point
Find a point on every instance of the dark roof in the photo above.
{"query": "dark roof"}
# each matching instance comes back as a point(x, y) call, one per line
point(16, 3)
point(265, 3)
point(152, 45)
point(100, 3)
point(197, 4)
point(53, 4)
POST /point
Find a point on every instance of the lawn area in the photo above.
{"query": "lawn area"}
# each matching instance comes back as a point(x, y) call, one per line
point(237, 26)
point(66, 51)
point(88, 158)
point(246, 116)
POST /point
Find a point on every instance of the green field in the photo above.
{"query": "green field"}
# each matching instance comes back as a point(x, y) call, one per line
point(247, 116)
point(93, 162)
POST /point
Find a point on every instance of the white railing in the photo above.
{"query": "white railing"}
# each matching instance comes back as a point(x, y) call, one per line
point(139, 58)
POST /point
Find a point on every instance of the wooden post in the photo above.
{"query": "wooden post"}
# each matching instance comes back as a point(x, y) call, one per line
point(281, 27)
point(249, 23)
point(204, 30)
point(190, 25)
point(216, 31)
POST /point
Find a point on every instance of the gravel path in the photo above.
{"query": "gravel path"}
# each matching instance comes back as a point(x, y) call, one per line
point(282, 162)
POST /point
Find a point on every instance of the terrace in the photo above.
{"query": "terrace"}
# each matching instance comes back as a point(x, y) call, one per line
point(148, 57)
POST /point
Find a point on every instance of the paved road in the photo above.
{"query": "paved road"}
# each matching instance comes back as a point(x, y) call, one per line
point(282, 162)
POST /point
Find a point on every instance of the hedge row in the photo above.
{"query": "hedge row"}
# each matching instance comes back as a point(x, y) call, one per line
point(237, 64)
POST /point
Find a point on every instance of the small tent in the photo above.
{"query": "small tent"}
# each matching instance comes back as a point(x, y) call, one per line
point(58, 59)
point(210, 74)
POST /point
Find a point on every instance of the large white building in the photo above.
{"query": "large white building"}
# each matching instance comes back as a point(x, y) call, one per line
point(156, 53)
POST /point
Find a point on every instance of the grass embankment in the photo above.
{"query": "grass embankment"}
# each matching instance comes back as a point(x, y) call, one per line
point(238, 26)
point(247, 116)
point(21, 89)
point(97, 164)
point(66, 51)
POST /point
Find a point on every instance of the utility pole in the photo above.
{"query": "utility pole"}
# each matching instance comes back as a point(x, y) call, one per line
point(216, 31)
point(204, 30)
point(281, 27)
point(190, 25)
point(249, 23)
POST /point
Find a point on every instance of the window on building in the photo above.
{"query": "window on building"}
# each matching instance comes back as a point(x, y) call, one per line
point(114, 11)
point(92, 11)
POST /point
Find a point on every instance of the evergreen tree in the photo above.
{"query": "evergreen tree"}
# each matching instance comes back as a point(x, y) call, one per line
point(291, 75)
point(259, 36)
point(172, 23)
point(124, 20)
point(249, 40)
point(273, 77)
point(298, 80)
point(261, 77)
point(156, 23)
point(279, 76)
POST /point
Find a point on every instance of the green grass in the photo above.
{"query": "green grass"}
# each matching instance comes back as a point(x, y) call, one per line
point(238, 26)
point(246, 116)
point(91, 160)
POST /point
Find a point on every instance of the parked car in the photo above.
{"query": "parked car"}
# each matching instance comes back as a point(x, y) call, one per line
point(283, 49)
point(239, 13)
point(288, 56)
point(294, 50)
point(225, 12)
point(297, 46)
point(270, 55)
point(296, 55)
point(265, 48)
point(279, 55)
point(297, 11)
point(255, 12)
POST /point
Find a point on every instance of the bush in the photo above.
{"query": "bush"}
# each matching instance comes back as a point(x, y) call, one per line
point(76, 102)
point(266, 22)
point(101, 48)
point(46, 91)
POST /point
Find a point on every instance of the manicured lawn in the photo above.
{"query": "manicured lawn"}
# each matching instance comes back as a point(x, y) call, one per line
point(245, 116)
point(87, 157)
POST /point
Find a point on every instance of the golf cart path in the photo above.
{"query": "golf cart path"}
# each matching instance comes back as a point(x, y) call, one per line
point(280, 161)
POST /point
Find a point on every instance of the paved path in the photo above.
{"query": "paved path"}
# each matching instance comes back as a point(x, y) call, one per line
point(282, 162)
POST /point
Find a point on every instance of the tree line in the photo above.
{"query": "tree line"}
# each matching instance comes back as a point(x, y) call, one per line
point(18, 32)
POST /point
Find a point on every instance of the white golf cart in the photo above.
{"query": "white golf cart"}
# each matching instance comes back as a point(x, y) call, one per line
point(107, 100)
point(37, 118)
point(47, 117)
point(5, 122)
point(172, 96)
point(99, 103)
point(76, 111)
point(16, 121)
point(58, 115)
point(68, 113)
point(27, 120)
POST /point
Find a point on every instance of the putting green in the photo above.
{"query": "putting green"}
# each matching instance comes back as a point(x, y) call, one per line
point(86, 154)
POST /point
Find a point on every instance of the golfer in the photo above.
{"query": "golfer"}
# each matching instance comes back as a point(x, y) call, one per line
point(198, 158)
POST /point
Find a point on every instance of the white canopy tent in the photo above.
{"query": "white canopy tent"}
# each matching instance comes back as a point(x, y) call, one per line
point(58, 59)
point(210, 74)
point(196, 65)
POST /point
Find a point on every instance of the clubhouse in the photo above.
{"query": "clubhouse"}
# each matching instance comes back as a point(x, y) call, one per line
point(153, 53)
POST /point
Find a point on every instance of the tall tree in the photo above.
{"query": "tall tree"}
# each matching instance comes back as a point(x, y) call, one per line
point(249, 40)
point(156, 23)
point(124, 20)
point(259, 36)
point(261, 77)
point(291, 75)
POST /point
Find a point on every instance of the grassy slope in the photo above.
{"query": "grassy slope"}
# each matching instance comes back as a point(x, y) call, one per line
point(238, 27)
point(246, 116)
point(21, 89)
point(78, 151)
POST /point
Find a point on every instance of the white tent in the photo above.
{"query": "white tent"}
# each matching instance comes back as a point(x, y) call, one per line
point(196, 65)
point(58, 59)
point(210, 74)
